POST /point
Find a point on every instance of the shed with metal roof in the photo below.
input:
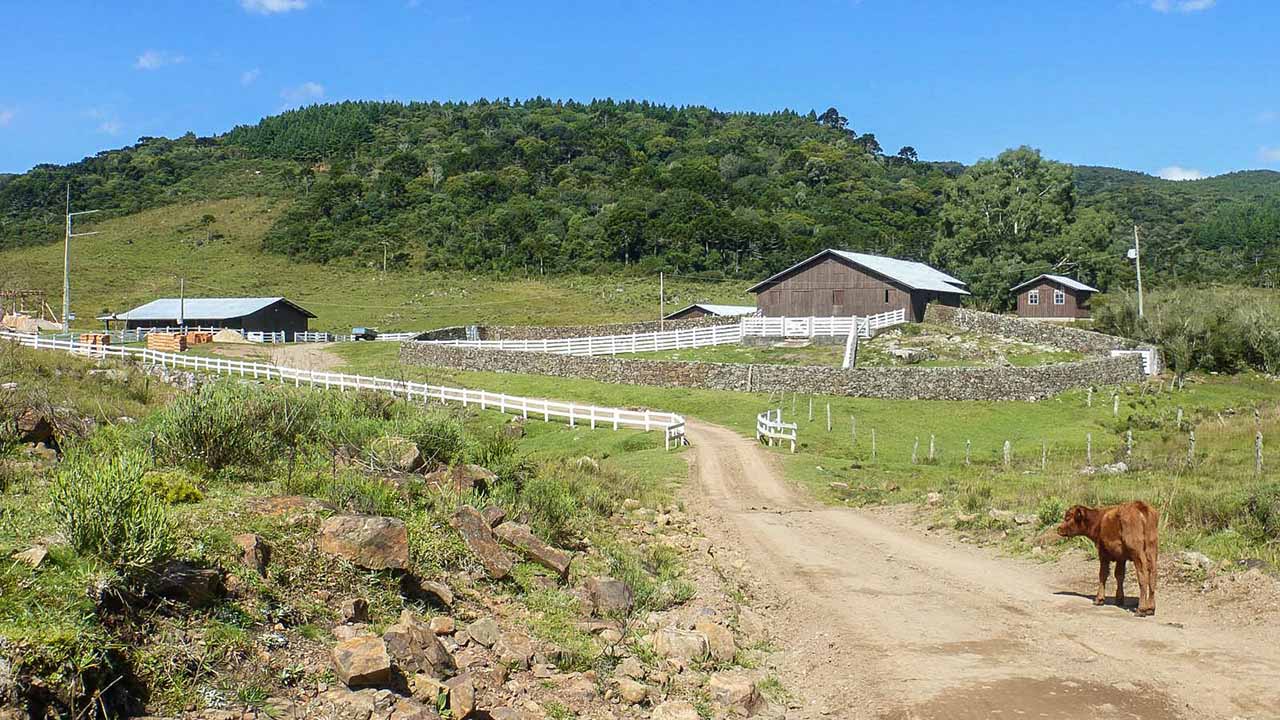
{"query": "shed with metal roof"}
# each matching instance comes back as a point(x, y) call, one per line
point(843, 283)
point(249, 314)
point(1053, 297)
point(699, 310)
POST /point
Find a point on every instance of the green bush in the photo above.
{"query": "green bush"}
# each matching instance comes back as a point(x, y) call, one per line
point(438, 435)
point(106, 512)
point(174, 487)
point(1051, 510)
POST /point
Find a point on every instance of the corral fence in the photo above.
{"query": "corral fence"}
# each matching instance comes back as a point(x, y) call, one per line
point(671, 424)
point(692, 337)
point(771, 428)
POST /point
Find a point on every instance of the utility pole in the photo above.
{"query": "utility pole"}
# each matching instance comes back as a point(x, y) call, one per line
point(182, 302)
point(1137, 259)
point(66, 261)
point(385, 244)
point(662, 300)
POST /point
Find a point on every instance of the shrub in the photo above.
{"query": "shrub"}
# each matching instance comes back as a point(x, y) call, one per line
point(173, 487)
point(1051, 510)
point(106, 511)
point(438, 435)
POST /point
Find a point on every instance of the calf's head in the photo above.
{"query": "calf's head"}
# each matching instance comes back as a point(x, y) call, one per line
point(1075, 522)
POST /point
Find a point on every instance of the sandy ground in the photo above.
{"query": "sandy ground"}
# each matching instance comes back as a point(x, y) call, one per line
point(878, 619)
point(303, 356)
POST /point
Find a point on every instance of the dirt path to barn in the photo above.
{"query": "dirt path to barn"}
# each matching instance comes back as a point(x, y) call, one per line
point(876, 619)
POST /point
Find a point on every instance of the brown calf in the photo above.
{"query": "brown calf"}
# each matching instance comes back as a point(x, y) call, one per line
point(1121, 532)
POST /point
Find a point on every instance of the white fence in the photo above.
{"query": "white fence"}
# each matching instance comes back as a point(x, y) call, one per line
point(611, 344)
point(1150, 359)
point(769, 427)
point(324, 337)
point(693, 337)
point(821, 326)
point(672, 425)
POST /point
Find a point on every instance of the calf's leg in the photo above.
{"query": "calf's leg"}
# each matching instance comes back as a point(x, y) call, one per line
point(1120, 583)
point(1144, 586)
point(1104, 569)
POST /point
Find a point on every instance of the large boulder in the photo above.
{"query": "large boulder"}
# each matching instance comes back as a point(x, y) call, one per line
point(735, 691)
point(485, 631)
point(183, 581)
point(371, 542)
point(720, 642)
point(522, 538)
point(674, 710)
point(479, 539)
point(462, 696)
point(414, 647)
point(514, 650)
point(362, 662)
point(462, 479)
point(609, 597)
point(416, 588)
point(681, 646)
point(33, 426)
point(395, 453)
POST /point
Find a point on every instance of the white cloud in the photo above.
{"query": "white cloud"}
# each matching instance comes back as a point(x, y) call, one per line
point(1182, 6)
point(249, 76)
point(156, 59)
point(1269, 154)
point(110, 126)
point(302, 94)
point(272, 7)
point(6, 117)
point(1176, 172)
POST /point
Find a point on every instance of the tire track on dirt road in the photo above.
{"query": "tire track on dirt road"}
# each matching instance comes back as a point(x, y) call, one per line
point(881, 621)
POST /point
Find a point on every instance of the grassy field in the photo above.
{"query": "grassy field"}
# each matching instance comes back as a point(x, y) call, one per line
point(1215, 503)
point(141, 257)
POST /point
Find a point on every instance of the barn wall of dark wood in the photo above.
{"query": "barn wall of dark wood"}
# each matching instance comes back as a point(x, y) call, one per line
point(274, 318)
point(827, 287)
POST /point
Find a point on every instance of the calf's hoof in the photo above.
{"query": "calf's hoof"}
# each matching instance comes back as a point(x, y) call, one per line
point(1146, 612)
point(1099, 601)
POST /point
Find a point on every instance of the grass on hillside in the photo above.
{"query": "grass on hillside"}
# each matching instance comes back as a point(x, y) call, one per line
point(141, 257)
point(1215, 503)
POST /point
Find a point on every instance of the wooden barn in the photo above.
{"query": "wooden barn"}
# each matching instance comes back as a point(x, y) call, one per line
point(268, 315)
point(701, 310)
point(842, 283)
point(1053, 297)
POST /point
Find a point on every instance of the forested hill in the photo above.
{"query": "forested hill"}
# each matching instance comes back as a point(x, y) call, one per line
point(546, 186)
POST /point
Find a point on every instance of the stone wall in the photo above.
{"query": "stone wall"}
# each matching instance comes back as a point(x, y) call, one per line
point(1026, 330)
point(554, 332)
point(899, 383)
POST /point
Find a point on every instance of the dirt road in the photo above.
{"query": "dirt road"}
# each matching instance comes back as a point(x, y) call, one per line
point(878, 620)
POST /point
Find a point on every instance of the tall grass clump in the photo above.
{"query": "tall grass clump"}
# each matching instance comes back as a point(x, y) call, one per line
point(106, 511)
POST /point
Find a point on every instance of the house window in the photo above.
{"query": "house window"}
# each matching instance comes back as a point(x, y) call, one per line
point(1033, 297)
point(1059, 297)
point(886, 296)
point(837, 297)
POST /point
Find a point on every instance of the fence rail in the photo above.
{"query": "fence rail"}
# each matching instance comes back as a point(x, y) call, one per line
point(671, 424)
point(769, 427)
point(821, 326)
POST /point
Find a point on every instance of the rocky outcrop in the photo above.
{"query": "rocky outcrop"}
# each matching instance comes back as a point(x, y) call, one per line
point(395, 453)
point(414, 648)
point(462, 479)
point(480, 540)
point(371, 542)
point(362, 662)
point(609, 597)
point(522, 539)
point(255, 553)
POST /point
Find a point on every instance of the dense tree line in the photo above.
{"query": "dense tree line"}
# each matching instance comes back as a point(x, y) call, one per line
point(543, 186)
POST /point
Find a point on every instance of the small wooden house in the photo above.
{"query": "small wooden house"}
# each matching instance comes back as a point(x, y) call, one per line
point(1053, 297)
point(268, 315)
point(842, 283)
point(701, 310)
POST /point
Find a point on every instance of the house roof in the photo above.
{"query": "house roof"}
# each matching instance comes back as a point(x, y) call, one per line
point(914, 275)
point(204, 308)
point(1060, 279)
point(720, 310)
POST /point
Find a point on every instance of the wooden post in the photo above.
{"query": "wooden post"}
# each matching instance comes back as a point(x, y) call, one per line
point(1088, 449)
point(1257, 453)
point(1179, 416)
point(915, 449)
point(968, 445)
point(1128, 443)
point(1115, 405)
point(931, 447)
point(1191, 447)
point(810, 409)
point(1007, 450)
point(793, 404)
point(1089, 402)
point(873, 443)
point(1044, 455)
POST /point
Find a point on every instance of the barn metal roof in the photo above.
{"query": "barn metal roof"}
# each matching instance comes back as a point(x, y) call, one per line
point(1060, 279)
point(204, 308)
point(914, 275)
point(720, 310)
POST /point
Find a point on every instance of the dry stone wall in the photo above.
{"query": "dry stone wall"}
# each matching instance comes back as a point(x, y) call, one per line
point(1027, 330)
point(899, 383)
point(553, 332)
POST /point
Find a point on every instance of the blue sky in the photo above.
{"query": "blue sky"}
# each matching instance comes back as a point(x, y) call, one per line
point(1178, 87)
